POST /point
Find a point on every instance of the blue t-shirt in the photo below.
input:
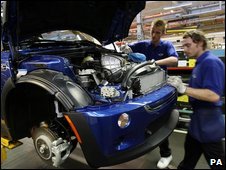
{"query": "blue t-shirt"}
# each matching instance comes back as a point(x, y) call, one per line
point(209, 73)
point(163, 50)
point(207, 122)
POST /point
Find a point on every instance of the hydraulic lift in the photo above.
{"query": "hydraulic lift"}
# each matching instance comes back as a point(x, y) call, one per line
point(6, 143)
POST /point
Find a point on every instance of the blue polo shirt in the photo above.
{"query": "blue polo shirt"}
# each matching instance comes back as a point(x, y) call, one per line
point(209, 73)
point(163, 50)
point(207, 122)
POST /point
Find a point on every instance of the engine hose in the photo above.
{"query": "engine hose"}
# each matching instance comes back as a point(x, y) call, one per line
point(126, 83)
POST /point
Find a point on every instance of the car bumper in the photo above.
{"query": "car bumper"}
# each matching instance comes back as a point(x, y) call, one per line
point(95, 157)
point(104, 143)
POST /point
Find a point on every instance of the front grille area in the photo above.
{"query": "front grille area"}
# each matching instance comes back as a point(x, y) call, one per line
point(152, 81)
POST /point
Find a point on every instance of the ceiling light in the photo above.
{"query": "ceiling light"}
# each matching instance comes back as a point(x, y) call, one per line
point(178, 6)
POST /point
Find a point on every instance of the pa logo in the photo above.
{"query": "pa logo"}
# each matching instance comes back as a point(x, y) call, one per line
point(215, 162)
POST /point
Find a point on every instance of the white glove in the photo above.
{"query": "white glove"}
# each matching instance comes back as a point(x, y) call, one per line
point(153, 63)
point(126, 49)
point(177, 83)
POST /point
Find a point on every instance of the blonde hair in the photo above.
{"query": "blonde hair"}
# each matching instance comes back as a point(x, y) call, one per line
point(159, 23)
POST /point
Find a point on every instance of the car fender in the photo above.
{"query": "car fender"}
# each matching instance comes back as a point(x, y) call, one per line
point(65, 90)
point(70, 94)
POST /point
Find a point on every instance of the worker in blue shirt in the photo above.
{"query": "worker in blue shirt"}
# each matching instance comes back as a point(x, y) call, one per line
point(164, 54)
point(205, 90)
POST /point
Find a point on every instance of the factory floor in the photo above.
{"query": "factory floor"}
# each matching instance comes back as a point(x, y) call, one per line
point(25, 157)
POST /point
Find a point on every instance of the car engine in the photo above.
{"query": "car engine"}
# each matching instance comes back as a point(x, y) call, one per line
point(115, 78)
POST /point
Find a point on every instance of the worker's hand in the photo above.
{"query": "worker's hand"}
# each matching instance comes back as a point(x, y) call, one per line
point(126, 49)
point(154, 64)
point(177, 83)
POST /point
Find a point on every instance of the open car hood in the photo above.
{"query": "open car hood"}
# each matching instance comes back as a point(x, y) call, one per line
point(107, 21)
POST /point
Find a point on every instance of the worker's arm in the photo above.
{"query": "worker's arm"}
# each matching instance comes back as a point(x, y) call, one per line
point(169, 61)
point(202, 94)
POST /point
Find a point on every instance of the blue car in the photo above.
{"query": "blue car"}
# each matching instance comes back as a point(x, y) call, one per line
point(62, 87)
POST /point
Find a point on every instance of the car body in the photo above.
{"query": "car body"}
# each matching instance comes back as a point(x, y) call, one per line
point(61, 88)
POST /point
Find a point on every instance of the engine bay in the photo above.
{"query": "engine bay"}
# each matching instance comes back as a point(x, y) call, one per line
point(113, 77)
point(107, 76)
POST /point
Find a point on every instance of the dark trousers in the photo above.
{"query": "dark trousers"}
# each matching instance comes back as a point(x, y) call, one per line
point(211, 151)
point(165, 151)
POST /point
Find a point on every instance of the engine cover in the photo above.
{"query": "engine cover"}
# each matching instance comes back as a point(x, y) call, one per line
point(112, 66)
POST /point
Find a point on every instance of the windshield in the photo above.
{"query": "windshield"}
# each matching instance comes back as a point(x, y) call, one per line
point(68, 35)
point(64, 35)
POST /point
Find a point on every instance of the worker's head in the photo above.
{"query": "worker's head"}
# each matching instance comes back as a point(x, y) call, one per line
point(158, 28)
point(194, 43)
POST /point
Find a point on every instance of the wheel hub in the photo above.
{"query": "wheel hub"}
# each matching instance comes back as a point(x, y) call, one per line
point(43, 138)
point(43, 144)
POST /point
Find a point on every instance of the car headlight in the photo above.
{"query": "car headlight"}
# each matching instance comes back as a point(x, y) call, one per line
point(124, 120)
